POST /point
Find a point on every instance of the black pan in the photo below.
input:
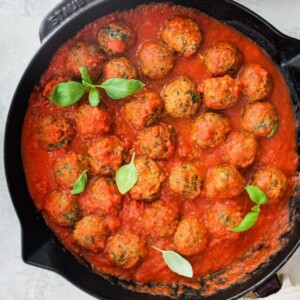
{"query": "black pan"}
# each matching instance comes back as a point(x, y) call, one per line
point(39, 246)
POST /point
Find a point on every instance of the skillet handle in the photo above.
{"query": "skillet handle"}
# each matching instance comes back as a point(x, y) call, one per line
point(269, 287)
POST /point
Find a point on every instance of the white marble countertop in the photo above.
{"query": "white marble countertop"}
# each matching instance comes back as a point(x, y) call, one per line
point(19, 24)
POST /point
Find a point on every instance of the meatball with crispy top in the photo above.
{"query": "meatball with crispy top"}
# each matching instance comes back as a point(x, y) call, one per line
point(119, 67)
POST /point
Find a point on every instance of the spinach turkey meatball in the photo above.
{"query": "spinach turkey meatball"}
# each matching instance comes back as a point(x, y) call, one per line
point(223, 182)
point(259, 118)
point(119, 67)
point(158, 141)
point(54, 132)
point(150, 177)
point(256, 81)
point(155, 60)
point(115, 38)
point(210, 129)
point(222, 58)
point(182, 35)
point(62, 208)
point(180, 97)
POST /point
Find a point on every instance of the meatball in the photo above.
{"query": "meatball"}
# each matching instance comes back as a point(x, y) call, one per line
point(62, 208)
point(222, 58)
point(160, 218)
point(223, 182)
point(182, 35)
point(125, 249)
point(256, 81)
point(90, 233)
point(144, 109)
point(271, 181)
point(190, 237)
point(102, 197)
point(155, 60)
point(150, 177)
point(185, 179)
point(50, 86)
point(85, 55)
point(259, 118)
point(239, 150)
point(54, 132)
point(92, 121)
point(223, 216)
point(106, 155)
point(115, 38)
point(68, 168)
point(180, 97)
point(210, 129)
point(119, 67)
point(158, 142)
point(221, 92)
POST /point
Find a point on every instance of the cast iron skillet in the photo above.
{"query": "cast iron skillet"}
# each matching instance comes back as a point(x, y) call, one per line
point(39, 246)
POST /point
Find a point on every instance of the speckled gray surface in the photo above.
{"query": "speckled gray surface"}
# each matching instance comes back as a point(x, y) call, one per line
point(19, 24)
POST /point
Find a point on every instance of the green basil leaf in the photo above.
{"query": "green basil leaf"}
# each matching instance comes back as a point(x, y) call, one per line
point(256, 194)
point(126, 177)
point(87, 84)
point(80, 183)
point(249, 220)
point(94, 97)
point(176, 263)
point(67, 93)
point(256, 208)
point(85, 74)
point(274, 130)
point(118, 88)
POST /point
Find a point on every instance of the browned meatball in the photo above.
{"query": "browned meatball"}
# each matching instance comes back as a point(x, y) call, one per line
point(259, 118)
point(144, 109)
point(85, 55)
point(90, 233)
point(223, 182)
point(271, 181)
point(68, 168)
point(150, 176)
point(190, 237)
point(158, 142)
point(256, 81)
point(101, 198)
point(155, 60)
point(239, 150)
point(210, 129)
point(105, 155)
point(125, 249)
point(222, 58)
point(223, 216)
point(160, 218)
point(62, 208)
point(55, 132)
point(182, 35)
point(92, 121)
point(180, 97)
point(115, 38)
point(119, 67)
point(221, 92)
point(185, 179)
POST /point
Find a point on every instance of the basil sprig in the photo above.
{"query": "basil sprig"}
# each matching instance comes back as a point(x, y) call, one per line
point(274, 130)
point(176, 263)
point(80, 183)
point(127, 176)
point(258, 197)
point(68, 93)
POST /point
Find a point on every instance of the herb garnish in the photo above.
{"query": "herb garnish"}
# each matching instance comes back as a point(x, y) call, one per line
point(274, 130)
point(80, 183)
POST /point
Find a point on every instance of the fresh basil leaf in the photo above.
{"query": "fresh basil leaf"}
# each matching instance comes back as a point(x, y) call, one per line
point(67, 93)
point(87, 84)
point(256, 208)
point(80, 183)
point(249, 220)
point(126, 177)
point(118, 88)
point(256, 194)
point(85, 74)
point(94, 97)
point(274, 130)
point(176, 263)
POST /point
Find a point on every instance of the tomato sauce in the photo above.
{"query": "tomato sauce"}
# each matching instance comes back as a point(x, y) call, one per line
point(231, 258)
